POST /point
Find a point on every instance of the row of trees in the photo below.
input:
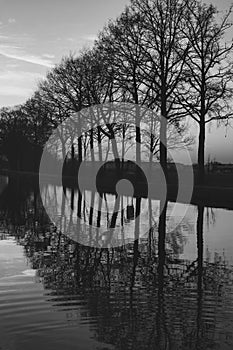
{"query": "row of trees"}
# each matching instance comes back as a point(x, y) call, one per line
point(168, 56)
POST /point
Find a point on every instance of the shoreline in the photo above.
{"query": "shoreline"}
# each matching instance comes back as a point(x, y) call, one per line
point(206, 195)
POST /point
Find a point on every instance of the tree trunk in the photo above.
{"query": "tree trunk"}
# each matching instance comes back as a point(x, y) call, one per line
point(91, 215)
point(123, 144)
point(163, 145)
point(138, 136)
point(201, 153)
point(80, 149)
point(138, 142)
point(100, 145)
point(79, 211)
point(115, 151)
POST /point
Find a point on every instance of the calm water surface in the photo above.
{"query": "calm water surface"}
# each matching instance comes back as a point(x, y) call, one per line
point(172, 288)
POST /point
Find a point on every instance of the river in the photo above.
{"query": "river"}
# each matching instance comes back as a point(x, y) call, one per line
point(164, 281)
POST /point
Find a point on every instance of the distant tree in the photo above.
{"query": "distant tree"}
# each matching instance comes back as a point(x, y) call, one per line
point(13, 136)
point(37, 114)
point(64, 87)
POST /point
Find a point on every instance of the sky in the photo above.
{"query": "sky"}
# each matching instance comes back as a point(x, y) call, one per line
point(35, 35)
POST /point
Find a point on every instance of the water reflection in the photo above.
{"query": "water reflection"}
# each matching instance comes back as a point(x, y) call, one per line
point(103, 220)
point(167, 289)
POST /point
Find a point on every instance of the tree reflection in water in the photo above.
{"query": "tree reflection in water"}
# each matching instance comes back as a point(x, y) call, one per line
point(141, 295)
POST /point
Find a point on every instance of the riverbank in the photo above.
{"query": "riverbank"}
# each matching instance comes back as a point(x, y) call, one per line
point(213, 195)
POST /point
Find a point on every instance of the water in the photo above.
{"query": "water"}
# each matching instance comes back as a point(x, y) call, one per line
point(58, 294)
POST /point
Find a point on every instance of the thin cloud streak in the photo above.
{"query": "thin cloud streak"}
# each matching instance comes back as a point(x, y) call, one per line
point(10, 48)
point(27, 58)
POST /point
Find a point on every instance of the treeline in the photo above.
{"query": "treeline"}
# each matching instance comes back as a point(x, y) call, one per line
point(171, 57)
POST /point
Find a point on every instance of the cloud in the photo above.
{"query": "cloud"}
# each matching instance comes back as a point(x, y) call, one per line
point(48, 55)
point(3, 37)
point(10, 48)
point(19, 75)
point(15, 91)
point(18, 79)
point(15, 52)
point(11, 20)
point(18, 83)
point(90, 37)
point(12, 65)
point(82, 39)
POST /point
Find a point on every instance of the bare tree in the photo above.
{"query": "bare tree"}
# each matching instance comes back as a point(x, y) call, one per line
point(64, 86)
point(121, 44)
point(165, 48)
point(207, 88)
point(178, 137)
